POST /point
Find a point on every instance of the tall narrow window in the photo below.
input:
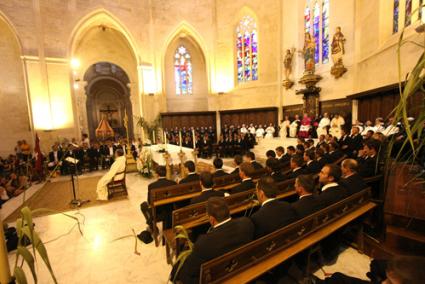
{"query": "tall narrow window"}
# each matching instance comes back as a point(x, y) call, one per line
point(247, 50)
point(183, 71)
point(316, 31)
point(325, 31)
point(307, 18)
point(396, 11)
point(408, 15)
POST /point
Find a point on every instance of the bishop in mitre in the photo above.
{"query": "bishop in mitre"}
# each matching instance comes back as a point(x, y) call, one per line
point(116, 172)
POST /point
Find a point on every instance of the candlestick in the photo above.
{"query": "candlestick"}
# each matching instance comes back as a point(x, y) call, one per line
point(180, 140)
point(153, 136)
point(193, 138)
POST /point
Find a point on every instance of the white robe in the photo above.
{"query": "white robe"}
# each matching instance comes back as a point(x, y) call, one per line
point(336, 124)
point(269, 132)
point(260, 132)
point(117, 167)
point(293, 128)
point(321, 128)
point(284, 128)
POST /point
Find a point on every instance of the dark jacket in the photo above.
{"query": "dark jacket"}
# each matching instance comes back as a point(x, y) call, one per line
point(353, 183)
point(205, 195)
point(190, 178)
point(235, 171)
point(278, 176)
point(160, 183)
point(215, 243)
point(243, 186)
point(294, 174)
point(219, 173)
point(272, 216)
point(367, 166)
point(335, 156)
point(331, 196)
point(306, 205)
point(256, 165)
point(313, 167)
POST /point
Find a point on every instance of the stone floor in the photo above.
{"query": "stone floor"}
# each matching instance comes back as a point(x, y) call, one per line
point(97, 257)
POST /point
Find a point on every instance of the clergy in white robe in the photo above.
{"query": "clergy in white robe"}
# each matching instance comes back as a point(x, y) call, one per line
point(284, 127)
point(270, 131)
point(293, 128)
point(117, 167)
point(259, 132)
point(336, 124)
point(322, 128)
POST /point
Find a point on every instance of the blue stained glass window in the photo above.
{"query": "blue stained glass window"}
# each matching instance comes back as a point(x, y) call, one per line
point(325, 31)
point(183, 71)
point(408, 15)
point(316, 31)
point(247, 50)
point(396, 11)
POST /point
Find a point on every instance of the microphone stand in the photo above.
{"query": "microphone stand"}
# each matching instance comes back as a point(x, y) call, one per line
point(75, 201)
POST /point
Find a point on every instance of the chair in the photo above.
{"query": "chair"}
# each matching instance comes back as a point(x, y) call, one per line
point(117, 186)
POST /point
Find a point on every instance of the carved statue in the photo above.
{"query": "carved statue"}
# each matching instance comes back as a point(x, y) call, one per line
point(338, 50)
point(308, 52)
point(287, 64)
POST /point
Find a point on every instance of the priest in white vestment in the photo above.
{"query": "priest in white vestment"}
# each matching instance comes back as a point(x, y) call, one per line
point(270, 131)
point(293, 128)
point(259, 132)
point(284, 127)
point(336, 124)
point(322, 128)
point(117, 167)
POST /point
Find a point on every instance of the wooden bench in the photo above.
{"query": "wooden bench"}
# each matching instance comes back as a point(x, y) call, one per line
point(196, 215)
point(257, 257)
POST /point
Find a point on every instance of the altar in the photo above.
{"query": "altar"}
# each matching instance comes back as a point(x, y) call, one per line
point(157, 152)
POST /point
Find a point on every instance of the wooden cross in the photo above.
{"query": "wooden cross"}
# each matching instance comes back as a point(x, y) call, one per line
point(108, 111)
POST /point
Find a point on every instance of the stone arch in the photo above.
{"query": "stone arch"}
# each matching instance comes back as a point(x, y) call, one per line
point(198, 100)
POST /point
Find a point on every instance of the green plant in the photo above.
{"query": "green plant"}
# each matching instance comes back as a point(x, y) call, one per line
point(183, 235)
point(28, 236)
point(149, 127)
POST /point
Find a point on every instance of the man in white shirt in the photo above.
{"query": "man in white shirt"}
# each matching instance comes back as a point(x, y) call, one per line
point(244, 130)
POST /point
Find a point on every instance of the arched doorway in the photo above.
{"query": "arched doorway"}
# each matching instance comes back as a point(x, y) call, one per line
point(108, 96)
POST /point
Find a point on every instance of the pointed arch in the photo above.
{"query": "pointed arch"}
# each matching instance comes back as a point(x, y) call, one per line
point(99, 17)
point(9, 23)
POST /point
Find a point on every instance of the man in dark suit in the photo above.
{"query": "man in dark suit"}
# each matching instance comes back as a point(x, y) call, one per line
point(218, 165)
point(356, 141)
point(207, 183)
point(331, 191)
point(273, 168)
point(311, 165)
point(351, 180)
point(245, 172)
point(334, 152)
point(163, 212)
point(273, 214)
point(192, 175)
point(344, 142)
point(321, 158)
point(297, 169)
point(367, 164)
point(55, 157)
point(225, 234)
point(237, 161)
point(249, 157)
point(283, 158)
point(308, 202)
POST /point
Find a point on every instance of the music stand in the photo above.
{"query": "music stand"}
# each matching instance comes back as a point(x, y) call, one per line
point(75, 201)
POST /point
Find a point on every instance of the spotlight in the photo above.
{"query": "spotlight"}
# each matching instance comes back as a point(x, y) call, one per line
point(75, 63)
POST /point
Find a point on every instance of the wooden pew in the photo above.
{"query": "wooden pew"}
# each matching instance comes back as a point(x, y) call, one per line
point(195, 215)
point(254, 259)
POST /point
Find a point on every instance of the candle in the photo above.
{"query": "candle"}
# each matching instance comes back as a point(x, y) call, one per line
point(165, 139)
point(193, 138)
point(153, 136)
point(180, 140)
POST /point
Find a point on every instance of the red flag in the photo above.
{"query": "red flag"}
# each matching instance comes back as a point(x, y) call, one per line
point(39, 155)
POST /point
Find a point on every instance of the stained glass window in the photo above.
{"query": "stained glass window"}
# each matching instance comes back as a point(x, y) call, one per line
point(247, 50)
point(183, 71)
point(307, 19)
point(408, 15)
point(325, 31)
point(396, 11)
point(316, 31)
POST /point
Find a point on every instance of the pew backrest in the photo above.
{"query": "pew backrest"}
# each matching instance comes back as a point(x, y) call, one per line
point(174, 193)
point(257, 257)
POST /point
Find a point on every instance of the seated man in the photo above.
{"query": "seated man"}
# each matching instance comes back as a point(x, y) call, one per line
point(331, 192)
point(273, 167)
point(351, 180)
point(117, 167)
point(308, 202)
point(296, 167)
point(192, 175)
point(249, 157)
point(55, 157)
point(312, 166)
point(218, 165)
point(270, 154)
point(283, 158)
point(207, 183)
point(245, 172)
point(225, 234)
point(273, 214)
point(163, 212)
point(368, 162)
point(237, 161)
point(334, 152)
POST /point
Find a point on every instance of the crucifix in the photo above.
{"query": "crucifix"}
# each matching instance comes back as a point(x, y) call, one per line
point(108, 111)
